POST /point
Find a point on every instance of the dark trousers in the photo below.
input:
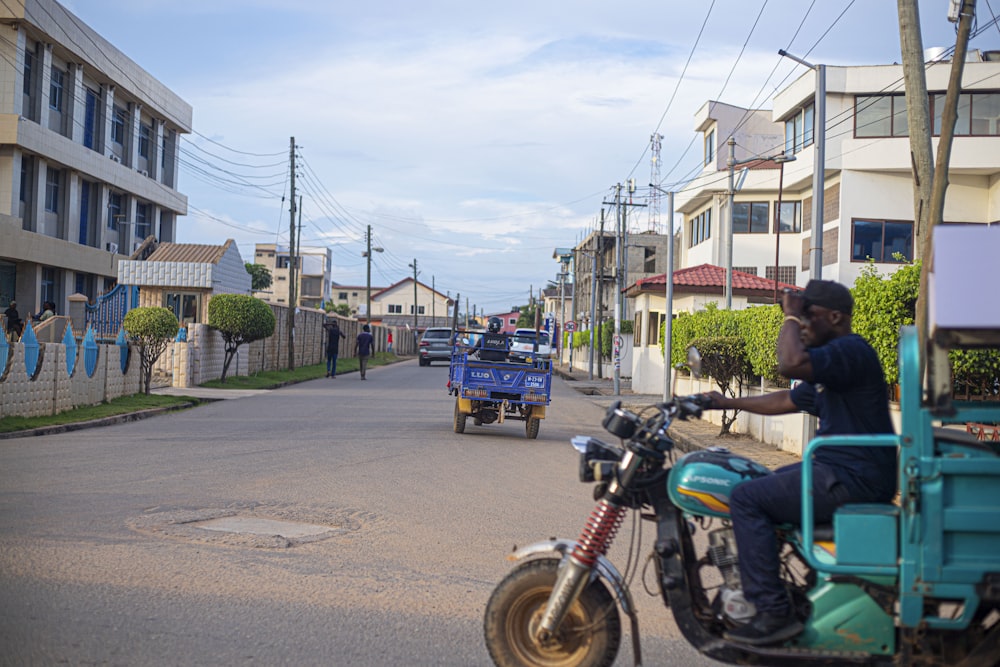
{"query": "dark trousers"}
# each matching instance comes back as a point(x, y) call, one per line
point(757, 506)
point(331, 363)
point(363, 364)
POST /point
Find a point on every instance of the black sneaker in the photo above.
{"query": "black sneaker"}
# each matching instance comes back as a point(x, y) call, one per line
point(766, 628)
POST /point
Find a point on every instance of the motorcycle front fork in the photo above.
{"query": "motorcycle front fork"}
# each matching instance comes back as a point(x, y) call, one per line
point(576, 569)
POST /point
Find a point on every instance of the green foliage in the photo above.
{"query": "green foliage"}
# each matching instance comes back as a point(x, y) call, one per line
point(882, 304)
point(608, 334)
point(724, 359)
point(150, 329)
point(239, 318)
point(260, 276)
point(759, 327)
point(526, 320)
point(703, 324)
point(341, 309)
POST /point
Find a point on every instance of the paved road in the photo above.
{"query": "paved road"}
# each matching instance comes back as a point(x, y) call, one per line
point(406, 528)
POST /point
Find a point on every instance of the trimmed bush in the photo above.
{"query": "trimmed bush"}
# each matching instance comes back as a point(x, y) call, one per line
point(239, 318)
point(150, 329)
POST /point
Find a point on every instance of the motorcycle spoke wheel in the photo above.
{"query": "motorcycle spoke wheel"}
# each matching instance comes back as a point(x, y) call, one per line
point(588, 637)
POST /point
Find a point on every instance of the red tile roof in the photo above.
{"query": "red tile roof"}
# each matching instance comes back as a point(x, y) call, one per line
point(708, 276)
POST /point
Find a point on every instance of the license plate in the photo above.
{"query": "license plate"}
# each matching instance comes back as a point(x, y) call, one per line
point(535, 381)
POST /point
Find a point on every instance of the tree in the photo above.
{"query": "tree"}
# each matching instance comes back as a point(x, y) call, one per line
point(150, 329)
point(239, 318)
point(260, 276)
point(341, 309)
point(724, 359)
point(526, 320)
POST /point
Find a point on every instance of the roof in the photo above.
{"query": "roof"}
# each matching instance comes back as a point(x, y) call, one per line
point(410, 280)
point(189, 252)
point(706, 277)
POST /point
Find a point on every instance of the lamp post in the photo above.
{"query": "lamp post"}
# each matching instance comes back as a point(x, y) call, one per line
point(819, 165)
point(732, 163)
point(668, 315)
point(368, 292)
point(781, 160)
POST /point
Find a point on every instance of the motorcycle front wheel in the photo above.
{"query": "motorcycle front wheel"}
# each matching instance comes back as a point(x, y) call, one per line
point(588, 637)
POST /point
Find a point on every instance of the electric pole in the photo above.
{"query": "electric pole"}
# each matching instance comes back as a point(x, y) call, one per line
point(291, 260)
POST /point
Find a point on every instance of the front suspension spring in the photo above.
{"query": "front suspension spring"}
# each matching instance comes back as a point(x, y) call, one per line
point(599, 533)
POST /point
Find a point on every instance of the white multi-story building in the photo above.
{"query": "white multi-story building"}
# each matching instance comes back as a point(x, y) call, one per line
point(868, 197)
point(89, 159)
point(312, 275)
point(868, 183)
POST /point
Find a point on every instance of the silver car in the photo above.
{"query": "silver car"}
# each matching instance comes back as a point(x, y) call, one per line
point(435, 345)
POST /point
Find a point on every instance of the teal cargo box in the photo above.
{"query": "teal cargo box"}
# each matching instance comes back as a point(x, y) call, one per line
point(866, 534)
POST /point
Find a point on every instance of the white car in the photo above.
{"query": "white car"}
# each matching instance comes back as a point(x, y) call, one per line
point(522, 345)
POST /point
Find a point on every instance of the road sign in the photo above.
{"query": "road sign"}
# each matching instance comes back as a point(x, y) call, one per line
point(618, 341)
point(570, 325)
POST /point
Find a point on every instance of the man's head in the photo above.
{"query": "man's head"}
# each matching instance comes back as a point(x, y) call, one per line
point(827, 306)
point(494, 325)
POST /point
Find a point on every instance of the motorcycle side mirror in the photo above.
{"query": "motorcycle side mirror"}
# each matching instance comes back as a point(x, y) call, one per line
point(694, 361)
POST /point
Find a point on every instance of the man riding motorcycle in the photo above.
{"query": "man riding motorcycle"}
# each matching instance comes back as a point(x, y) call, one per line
point(842, 384)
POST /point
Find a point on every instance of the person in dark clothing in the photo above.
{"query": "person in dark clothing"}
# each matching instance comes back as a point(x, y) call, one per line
point(333, 336)
point(842, 384)
point(364, 348)
point(13, 321)
point(494, 344)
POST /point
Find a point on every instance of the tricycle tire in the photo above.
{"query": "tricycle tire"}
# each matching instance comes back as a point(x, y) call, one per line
point(459, 419)
point(588, 637)
point(531, 427)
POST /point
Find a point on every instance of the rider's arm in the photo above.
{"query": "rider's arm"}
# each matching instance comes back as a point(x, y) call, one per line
point(793, 357)
point(775, 403)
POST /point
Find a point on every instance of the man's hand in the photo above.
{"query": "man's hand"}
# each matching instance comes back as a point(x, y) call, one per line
point(793, 303)
point(718, 401)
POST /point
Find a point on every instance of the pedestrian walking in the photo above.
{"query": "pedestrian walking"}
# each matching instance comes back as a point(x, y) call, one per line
point(364, 348)
point(389, 341)
point(333, 336)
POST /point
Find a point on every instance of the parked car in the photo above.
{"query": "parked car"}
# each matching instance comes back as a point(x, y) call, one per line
point(522, 345)
point(435, 345)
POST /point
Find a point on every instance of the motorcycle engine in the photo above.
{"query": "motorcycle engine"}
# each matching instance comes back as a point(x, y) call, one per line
point(722, 552)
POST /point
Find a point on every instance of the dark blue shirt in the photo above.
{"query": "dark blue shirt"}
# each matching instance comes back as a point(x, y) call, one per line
point(365, 344)
point(849, 395)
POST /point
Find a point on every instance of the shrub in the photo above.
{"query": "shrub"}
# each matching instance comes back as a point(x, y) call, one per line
point(723, 358)
point(150, 329)
point(239, 318)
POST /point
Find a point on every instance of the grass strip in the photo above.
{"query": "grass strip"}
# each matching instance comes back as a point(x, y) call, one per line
point(275, 379)
point(119, 406)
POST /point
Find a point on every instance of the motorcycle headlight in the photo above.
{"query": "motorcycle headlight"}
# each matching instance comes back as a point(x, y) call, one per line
point(598, 461)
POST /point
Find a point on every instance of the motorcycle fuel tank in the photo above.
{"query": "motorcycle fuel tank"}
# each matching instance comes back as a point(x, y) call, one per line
point(701, 482)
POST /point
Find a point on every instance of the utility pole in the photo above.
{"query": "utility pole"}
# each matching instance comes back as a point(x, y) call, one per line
point(600, 300)
point(619, 246)
point(414, 265)
point(433, 294)
point(291, 260)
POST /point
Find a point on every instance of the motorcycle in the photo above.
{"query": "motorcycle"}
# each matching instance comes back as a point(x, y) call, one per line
point(911, 584)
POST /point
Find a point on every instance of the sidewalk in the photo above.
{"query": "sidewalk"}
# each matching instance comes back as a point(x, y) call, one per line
point(688, 435)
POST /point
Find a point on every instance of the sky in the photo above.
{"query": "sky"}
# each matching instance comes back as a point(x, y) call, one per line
point(474, 138)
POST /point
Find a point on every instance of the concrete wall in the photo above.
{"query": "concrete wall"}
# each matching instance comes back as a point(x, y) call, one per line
point(54, 390)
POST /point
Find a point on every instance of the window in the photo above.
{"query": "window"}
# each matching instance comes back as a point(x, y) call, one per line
point(395, 309)
point(141, 221)
point(791, 216)
point(90, 119)
point(709, 147)
point(52, 179)
point(420, 310)
point(29, 66)
point(342, 296)
point(799, 130)
point(183, 305)
point(978, 114)
point(701, 228)
point(56, 89)
point(750, 217)
point(637, 329)
point(649, 260)
point(880, 240)
point(114, 210)
point(118, 126)
point(144, 133)
point(512, 321)
point(752, 270)
point(786, 274)
point(653, 331)
point(873, 115)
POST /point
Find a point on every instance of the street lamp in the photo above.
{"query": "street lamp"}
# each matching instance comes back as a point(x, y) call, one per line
point(732, 163)
point(668, 323)
point(819, 166)
point(368, 293)
point(781, 160)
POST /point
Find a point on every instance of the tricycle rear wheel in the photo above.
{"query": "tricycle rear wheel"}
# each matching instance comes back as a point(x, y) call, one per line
point(588, 637)
point(459, 419)
point(531, 427)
